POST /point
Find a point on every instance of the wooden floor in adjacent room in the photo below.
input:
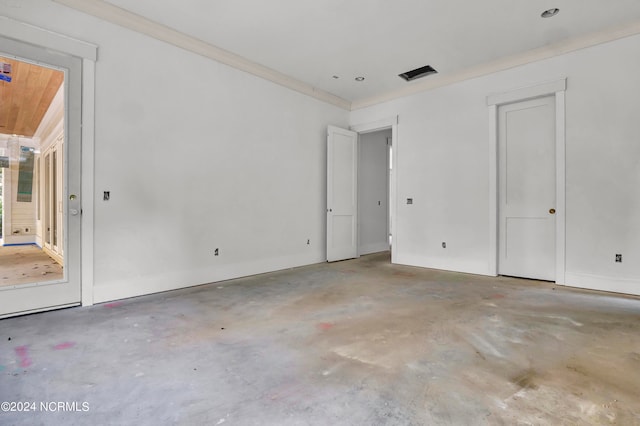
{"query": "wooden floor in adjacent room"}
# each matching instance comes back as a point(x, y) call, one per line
point(27, 264)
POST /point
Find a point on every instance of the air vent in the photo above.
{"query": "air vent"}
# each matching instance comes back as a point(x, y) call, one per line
point(418, 73)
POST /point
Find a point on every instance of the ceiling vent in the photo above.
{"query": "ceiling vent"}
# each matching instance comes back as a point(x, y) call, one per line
point(418, 73)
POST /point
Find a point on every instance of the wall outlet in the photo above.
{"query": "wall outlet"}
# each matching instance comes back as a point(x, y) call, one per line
point(409, 200)
point(444, 245)
point(308, 242)
point(619, 258)
point(106, 195)
point(216, 252)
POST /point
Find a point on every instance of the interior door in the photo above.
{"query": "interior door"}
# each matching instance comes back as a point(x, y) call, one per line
point(342, 194)
point(44, 295)
point(527, 189)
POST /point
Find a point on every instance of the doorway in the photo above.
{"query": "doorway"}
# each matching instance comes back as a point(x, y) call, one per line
point(40, 144)
point(374, 168)
point(347, 206)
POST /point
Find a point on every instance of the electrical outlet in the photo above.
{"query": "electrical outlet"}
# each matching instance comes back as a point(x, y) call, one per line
point(409, 200)
point(216, 252)
point(308, 242)
point(444, 245)
point(619, 258)
point(106, 195)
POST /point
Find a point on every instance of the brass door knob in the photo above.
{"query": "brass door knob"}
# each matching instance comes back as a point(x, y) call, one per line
point(552, 211)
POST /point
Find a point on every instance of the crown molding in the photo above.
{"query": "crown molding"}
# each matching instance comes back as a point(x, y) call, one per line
point(116, 15)
point(124, 18)
point(534, 55)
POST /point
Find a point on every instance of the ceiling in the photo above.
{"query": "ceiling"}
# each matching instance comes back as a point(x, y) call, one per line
point(313, 40)
point(25, 100)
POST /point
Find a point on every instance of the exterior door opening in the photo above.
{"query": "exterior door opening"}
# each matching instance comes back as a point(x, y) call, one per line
point(40, 160)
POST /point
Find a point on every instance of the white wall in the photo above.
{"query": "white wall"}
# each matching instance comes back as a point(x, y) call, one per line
point(197, 156)
point(373, 192)
point(443, 158)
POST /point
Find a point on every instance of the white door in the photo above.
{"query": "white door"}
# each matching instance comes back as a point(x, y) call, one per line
point(44, 295)
point(342, 194)
point(527, 189)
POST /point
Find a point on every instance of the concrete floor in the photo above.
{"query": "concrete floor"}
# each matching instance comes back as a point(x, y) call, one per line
point(359, 342)
point(27, 264)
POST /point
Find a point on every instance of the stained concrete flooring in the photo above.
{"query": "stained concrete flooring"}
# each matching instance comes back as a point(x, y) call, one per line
point(27, 264)
point(360, 342)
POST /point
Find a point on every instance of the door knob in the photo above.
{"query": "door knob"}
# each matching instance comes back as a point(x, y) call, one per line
point(552, 211)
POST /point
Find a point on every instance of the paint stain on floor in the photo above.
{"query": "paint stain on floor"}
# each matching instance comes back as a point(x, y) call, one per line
point(64, 345)
point(23, 356)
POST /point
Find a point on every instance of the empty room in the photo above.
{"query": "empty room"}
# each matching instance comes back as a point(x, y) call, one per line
point(319, 212)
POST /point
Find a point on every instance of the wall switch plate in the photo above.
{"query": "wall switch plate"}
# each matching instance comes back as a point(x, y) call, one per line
point(409, 200)
point(216, 252)
point(619, 258)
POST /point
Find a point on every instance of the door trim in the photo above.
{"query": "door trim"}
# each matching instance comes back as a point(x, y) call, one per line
point(386, 123)
point(88, 53)
point(556, 88)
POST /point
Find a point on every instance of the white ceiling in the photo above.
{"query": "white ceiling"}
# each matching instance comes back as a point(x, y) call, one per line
point(313, 40)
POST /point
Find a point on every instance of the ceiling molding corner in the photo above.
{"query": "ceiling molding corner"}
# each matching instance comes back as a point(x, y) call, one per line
point(132, 21)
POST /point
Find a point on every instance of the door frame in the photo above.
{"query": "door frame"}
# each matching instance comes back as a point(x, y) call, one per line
point(383, 124)
point(87, 53)
point(556, 88)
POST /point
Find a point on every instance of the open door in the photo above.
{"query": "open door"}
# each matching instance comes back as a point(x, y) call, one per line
point(342, 194)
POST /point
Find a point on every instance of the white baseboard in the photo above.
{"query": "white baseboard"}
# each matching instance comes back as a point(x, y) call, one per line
point(476, 268)
point(373, 248)
point(115, 290)
point(597, 282)
point(19, 239)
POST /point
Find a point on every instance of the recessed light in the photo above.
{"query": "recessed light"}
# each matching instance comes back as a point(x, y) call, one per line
point(359, 78)
point(550, 12)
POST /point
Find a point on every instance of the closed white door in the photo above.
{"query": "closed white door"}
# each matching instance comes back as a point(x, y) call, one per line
point(49, 294)
point(527, 189)
point(342, 194)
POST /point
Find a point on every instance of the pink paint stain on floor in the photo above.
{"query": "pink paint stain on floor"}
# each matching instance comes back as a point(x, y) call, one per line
point(23, 356)
point(113, 305)
point(324, 326)
point(64, 345)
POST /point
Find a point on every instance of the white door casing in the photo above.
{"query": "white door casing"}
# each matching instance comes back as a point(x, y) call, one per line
point(66, 292)
point(526, 189)
point(557, 89)
point(342, 194)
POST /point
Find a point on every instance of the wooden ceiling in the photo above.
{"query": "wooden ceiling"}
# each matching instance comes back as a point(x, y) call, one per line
point(25, 100)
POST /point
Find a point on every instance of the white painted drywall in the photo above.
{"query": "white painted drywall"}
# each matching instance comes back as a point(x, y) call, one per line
point(373, 192)
point(443, 159)
point(196, 156)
